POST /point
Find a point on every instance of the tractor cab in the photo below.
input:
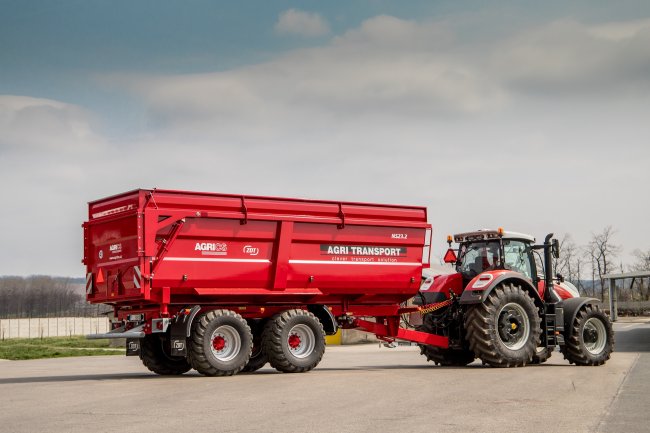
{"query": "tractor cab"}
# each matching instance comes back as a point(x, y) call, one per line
point(487, 250)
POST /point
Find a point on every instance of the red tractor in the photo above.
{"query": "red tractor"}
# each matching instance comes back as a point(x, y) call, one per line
point(498, 307)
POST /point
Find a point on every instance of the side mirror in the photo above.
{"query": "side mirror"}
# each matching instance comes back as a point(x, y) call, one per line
point(560, 278)
point(450, 256)
point(555, 248)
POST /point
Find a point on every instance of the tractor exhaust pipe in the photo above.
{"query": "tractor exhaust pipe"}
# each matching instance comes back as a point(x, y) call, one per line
point(548, 267)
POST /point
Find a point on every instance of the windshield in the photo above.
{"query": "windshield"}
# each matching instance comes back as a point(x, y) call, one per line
point(477, 257)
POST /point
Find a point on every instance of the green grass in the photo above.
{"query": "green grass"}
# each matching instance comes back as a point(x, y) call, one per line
point(54, 347)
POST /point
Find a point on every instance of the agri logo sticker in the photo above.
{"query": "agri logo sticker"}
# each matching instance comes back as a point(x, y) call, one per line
point(212, 248)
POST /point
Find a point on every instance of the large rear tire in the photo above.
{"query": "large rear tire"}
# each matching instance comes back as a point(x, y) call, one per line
point(258, 356)
point(505, 329)
point(590, 339)
point(447, 357)
point(155, 355)
point(542, 354)
point(220, 344)
point(294, 341)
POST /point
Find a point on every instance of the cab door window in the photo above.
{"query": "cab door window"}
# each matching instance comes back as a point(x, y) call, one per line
point(516, 257)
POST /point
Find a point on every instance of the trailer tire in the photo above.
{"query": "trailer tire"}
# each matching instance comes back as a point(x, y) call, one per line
point(590, 339)
point(258, 356)
point(156, 356)
point(294, 341)
point(447, 357)
point(220, 343)
point(504, 330)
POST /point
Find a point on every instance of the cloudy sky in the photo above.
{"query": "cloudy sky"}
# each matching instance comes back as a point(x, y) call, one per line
point(534, 116)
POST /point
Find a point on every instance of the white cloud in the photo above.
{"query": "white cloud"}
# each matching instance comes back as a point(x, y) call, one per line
point(38, 124)
point(402, 69)
point(569, 57)
point(302, 23)
point(391, 111)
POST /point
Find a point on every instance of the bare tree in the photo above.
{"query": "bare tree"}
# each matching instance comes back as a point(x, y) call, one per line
point(602, 252)
point(642, 263)
point(571, 262)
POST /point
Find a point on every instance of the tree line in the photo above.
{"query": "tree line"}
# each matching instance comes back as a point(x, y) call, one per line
point(43, 296)
point(585, 266)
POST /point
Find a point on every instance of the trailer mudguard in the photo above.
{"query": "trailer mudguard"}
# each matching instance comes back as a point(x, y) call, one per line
point(482, 285)
point(180, 330)
point(326, 318)
point(571, 307)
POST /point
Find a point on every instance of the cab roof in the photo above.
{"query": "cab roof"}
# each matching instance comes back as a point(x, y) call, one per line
point(486, 234)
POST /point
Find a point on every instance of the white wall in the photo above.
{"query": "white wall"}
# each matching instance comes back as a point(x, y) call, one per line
point(52, 327)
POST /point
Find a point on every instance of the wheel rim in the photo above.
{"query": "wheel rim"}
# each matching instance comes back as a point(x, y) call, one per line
point(301, 341)
point(594, 336)
point(225, 343)
point(514, 326)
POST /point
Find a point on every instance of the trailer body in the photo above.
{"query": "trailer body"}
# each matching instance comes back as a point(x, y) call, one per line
point(161, 249)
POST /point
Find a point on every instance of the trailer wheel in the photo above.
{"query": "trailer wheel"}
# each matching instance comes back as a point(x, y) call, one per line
point(590, 339)
point(294, 341)
point(542, 354)
point(258, 356)
point(220, 344)
point(505, 329)
point(447, 357)
point(155, 355)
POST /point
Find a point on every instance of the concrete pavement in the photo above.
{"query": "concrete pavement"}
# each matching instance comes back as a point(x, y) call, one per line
point(355, 389)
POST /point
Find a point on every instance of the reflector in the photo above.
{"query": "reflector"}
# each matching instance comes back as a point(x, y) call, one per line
point(100, 277)
point(450, 256)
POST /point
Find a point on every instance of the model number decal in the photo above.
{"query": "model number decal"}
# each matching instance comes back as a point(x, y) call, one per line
point(399, 236)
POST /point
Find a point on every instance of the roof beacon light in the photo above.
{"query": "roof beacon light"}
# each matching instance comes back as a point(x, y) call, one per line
point(500, 231)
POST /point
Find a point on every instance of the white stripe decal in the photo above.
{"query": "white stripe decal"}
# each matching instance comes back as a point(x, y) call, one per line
point(204, 259)
point(301, 262)
point(335, 262)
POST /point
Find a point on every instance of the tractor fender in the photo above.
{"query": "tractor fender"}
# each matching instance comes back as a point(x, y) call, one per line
point(326, 318)
point(482, 285)
point(571, 307)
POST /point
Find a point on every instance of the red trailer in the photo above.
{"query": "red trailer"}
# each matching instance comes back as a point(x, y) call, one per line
point(224, 283)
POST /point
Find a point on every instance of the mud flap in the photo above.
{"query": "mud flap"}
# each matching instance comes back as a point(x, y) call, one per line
point(180, 330)
point(132, 347)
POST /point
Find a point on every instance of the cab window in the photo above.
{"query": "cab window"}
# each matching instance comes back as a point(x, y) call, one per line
point(516, 257)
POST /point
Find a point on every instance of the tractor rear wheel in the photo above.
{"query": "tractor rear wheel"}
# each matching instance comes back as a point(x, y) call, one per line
point(590, 339)
point(220, 344)
point(258, 356)
point(504, 330)
point(155, 355)
point(447, 357)
point(294, 341)
point(542, 354)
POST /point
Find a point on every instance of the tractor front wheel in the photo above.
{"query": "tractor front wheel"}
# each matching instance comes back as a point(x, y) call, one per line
point(590, 339)
point(505, 329)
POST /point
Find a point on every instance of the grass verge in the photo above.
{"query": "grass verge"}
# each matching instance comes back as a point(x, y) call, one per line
point(54, 347)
